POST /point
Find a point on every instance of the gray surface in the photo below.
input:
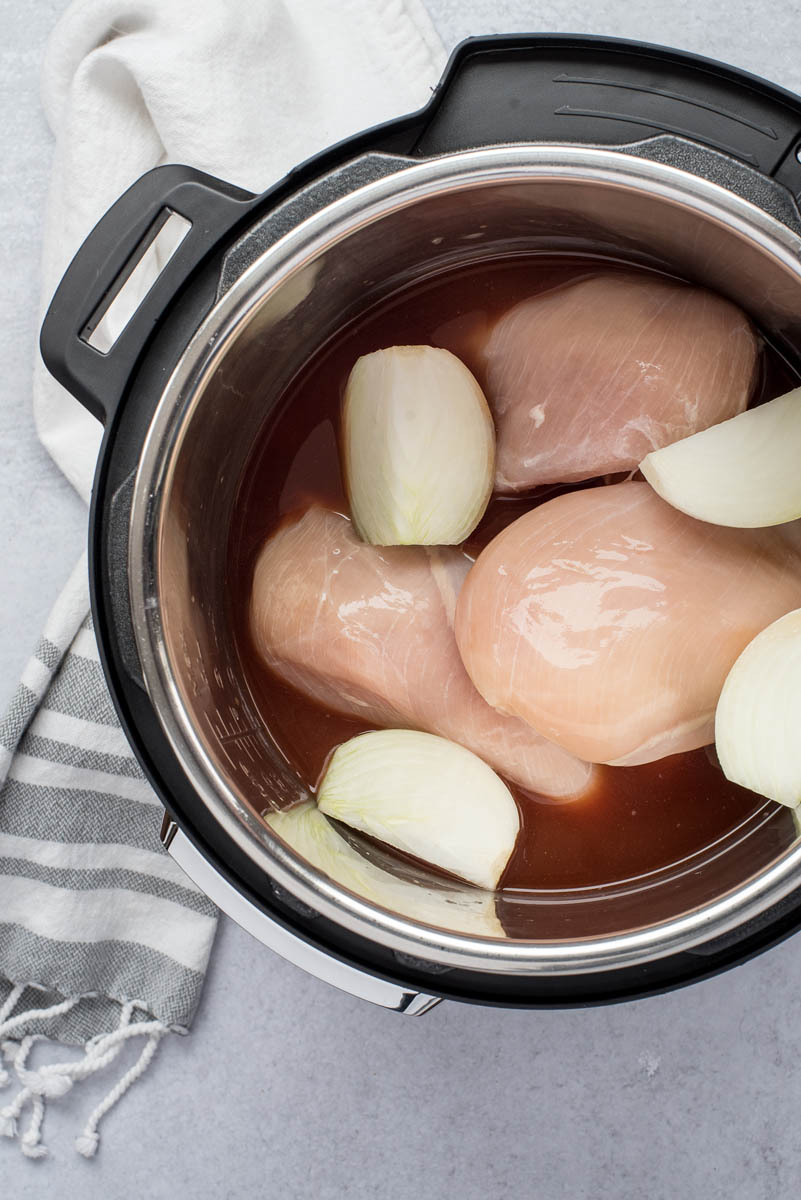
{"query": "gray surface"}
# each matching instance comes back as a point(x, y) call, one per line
point(288, 1089)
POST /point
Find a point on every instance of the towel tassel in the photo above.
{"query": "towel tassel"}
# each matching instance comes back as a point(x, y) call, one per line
point(56, 1079)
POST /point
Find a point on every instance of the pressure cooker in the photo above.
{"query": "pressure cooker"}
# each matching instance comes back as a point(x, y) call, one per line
point(536, 141)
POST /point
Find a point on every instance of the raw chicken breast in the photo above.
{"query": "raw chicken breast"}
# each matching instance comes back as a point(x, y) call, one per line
point(586, 379)
point(368, 630)
point(609, 620)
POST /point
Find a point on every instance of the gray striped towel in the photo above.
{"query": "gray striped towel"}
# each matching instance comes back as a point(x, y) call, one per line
point(102, 936)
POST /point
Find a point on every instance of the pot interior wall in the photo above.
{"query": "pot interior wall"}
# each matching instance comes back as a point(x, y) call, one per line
point(290, 321)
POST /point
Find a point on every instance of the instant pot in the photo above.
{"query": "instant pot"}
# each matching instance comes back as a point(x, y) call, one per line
point(529, 142)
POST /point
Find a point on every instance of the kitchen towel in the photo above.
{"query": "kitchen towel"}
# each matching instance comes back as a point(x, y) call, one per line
point(102, 938)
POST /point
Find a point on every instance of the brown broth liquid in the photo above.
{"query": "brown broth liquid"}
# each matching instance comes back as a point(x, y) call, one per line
point(637, 820)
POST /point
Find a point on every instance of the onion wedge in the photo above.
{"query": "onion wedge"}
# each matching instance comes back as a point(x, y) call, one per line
point(758, 719)
point(418, 446)
point(744, 472)
point(426, 796)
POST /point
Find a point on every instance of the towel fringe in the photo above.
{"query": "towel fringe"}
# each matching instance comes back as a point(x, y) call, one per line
point(54, 1080)
point(87, 1143)
point(6, 1009)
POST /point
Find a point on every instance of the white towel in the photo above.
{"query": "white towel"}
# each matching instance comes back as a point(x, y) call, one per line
point(243, 89)
point(102, 939)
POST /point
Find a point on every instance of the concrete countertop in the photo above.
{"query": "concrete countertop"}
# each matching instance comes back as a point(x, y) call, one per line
point(287, 1088)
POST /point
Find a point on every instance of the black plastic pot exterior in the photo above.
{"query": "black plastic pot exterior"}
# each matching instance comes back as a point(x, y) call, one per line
point(537, 88)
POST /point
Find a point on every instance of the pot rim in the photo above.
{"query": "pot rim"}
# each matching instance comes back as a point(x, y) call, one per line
point(507, 164)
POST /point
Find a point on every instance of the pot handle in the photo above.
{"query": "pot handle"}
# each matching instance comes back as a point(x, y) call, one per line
point(605, 91)
point(105, 262)
point(283, 941)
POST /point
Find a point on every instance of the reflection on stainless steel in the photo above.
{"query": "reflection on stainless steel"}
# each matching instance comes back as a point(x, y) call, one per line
point(290, 947)
point(419, 220)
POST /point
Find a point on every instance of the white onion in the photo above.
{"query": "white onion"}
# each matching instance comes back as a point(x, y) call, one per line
point(758, 719)
point(744, 472)
point(427, 796)
point(418, 447)
point(314, 838)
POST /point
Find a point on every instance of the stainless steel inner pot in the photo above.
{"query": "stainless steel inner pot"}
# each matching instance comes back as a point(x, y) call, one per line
point(416, 220)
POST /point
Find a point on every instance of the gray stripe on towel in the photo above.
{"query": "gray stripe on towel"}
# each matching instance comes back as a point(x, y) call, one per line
point(89, 879)
point(24, 704)
point(75, 815)
point(48, 653)
point(74, 756)
point(79, 690)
